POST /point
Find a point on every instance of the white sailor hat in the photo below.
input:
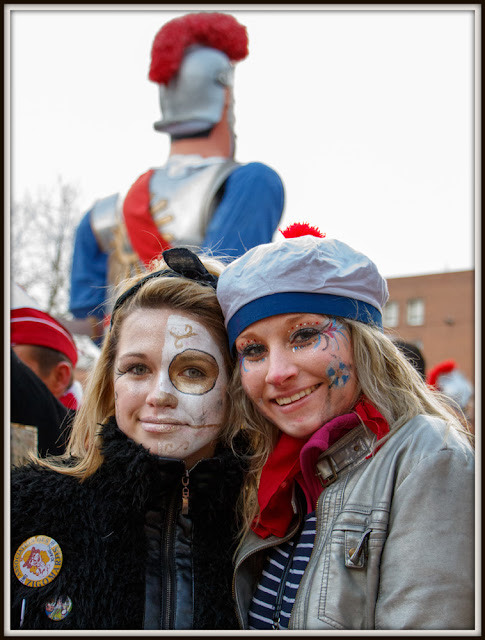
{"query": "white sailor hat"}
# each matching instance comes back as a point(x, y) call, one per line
point(305, 274)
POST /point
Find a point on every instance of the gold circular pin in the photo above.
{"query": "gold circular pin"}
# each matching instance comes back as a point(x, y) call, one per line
point(37, 561)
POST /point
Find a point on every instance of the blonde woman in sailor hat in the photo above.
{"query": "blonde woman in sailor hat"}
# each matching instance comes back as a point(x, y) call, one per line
point(359, 509)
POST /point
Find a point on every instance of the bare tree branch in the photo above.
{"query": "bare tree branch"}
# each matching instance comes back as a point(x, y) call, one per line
point(42, 238)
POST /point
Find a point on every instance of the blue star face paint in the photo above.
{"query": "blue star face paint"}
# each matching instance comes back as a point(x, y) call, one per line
point(338, 375)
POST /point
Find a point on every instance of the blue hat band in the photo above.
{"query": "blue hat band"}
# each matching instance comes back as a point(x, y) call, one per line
point(297, 302)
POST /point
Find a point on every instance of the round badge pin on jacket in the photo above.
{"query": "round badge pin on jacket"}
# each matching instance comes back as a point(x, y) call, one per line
point(37, 561)
point(59, 608)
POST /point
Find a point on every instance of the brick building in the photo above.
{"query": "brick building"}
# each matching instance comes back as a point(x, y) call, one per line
point(437, 313)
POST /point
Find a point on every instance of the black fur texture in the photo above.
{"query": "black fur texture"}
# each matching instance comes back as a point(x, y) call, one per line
point(99, 526)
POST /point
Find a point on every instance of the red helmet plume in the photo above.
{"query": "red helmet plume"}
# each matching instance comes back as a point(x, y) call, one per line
point(217, 30)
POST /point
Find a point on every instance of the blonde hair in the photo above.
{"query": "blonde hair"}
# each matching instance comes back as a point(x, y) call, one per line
point(386, 378)
point(98, 403)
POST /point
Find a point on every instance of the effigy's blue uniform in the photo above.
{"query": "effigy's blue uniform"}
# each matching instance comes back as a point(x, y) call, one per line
point(247, 214)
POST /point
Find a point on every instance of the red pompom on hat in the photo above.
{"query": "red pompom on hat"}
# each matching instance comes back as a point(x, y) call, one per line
point(216, 30)
point(32, 326)
point(299, 229)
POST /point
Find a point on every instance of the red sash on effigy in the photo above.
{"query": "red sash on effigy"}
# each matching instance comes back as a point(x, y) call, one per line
point(144, 235)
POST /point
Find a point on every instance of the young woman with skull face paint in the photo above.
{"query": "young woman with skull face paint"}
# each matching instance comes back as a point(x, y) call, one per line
point(142, 504)
point(359, 507)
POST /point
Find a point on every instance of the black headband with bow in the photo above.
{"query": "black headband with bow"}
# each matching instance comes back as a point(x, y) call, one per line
point(182, 263)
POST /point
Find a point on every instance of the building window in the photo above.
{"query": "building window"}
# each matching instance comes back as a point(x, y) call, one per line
point(416, 312)
point(390, 314)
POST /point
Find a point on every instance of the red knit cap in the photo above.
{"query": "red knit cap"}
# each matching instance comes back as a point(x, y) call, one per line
point(31, 326)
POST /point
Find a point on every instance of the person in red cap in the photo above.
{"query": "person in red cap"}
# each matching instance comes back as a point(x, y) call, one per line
point(448, 380)
point(201, 197)
point(44, 345)
point(42, 359)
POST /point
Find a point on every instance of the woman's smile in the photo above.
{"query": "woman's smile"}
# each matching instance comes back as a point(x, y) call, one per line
point(296, 396)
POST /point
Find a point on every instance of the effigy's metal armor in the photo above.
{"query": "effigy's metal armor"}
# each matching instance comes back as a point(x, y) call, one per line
point(183, 196)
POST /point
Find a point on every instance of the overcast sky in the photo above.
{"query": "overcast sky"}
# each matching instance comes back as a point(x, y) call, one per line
point(367, 115)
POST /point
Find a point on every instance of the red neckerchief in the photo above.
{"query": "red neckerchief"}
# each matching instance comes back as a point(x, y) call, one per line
point(144, 235)
point(276, 487)
point(284, 466)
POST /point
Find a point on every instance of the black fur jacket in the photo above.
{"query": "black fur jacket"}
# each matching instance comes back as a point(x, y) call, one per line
point(102, 528)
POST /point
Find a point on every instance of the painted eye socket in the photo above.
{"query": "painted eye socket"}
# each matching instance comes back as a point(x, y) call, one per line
point(193, 372)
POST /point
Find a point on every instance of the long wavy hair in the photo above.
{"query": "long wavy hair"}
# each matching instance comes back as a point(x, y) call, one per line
point(83, 452)
point(386, 378)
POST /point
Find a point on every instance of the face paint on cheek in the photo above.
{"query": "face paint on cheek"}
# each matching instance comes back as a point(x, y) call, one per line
point(242, 363)
point(197, 372)
point(319, 341)
point(338, 374)
point(171, 448)
point(334, 330)
point(209, 411)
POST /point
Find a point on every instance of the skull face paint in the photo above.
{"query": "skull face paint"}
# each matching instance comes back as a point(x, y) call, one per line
point(170, 384)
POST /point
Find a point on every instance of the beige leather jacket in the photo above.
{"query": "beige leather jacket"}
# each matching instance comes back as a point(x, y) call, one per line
point(394, 545)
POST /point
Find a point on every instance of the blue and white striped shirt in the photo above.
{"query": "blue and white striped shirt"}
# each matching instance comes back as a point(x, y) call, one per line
point(285, 564)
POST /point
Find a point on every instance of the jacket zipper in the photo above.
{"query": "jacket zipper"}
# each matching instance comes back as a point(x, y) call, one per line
point(234, 596)
point(244, 558)
point(167, 562)
point(168, 558)
point(309, 559)
point(185, 488)
point(325, 492)
point(281, 588)
point(185, 493)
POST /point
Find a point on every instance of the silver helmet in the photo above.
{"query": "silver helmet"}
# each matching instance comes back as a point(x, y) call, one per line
point(192, 61)
point(193, 100)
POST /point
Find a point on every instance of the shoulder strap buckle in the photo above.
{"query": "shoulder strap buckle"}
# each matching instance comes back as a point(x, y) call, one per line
point(327, 478)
